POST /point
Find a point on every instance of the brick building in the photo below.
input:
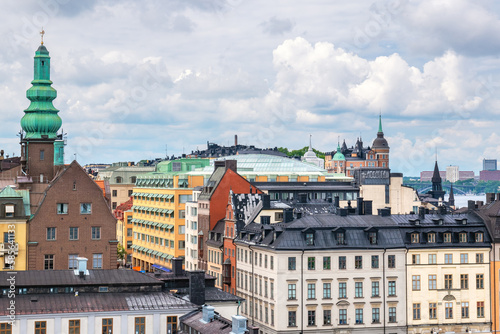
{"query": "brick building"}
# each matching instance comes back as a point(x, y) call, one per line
point(72, 220)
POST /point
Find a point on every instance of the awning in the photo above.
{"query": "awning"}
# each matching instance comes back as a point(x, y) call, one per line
point(150, 251)
point(169, 257)
point(157, 266)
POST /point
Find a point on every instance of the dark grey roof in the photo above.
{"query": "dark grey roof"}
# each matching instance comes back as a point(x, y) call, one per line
point(218, 325)
point(218, 230)
point(212, 183)
point(392, 231)
point(304, 186)
point(68, 278)
point(94, 302)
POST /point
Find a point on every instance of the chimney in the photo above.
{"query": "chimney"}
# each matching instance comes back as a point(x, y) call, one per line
point(197, 287)
point(266, 202)
point(367, 208)
point(421, 213)
point(490, 197)
point(471, 205)
point(208, 313)
point(336, 202)
point(343, 212)
point(359, 206)
point(239, 324)
point(177, 266)
point(287, 215)
point(81, 267)
point(235, 140)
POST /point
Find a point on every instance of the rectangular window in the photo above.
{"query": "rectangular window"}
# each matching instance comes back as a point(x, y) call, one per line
point(140, 325)
point(51, 233)
point(342, 262)
point(327, 317)
point(42, 154)
point(73, 233)
point(431, 238)
point(448, 310)
point(432, 259)
point(432, 282)
point(359, 315)
point(375, 315)
point(62, 208)
point(342, 317)
point(480, 309)
point(464, 258)
point(415, 259)
point(48, 262)
point(327, 290)
point(115, 193)
point(415, 238)
point(448, 281)
point(182, 229)
point(72, 262)
point(311, 318)
point(5, 328)
point(392, 288)
point(465, 309)
point(97, 261)
point(374, 261)
point(391, 261)
point(358, 289)
point(311, 263)
point(311, 291)
point(185, 198)
point(85, 208)
point(432, 310)
point(292, 318)
point(415, 282)
point(448, 258)
point(310, 239)
point(96, 232)
point(291, 263)
point(447, 237)
point(327, 262)
point(375, 289)
point(182, 214)
point(479, 237)
point(358, 262)
point(479, 281)
point(342, 290)
point(392, 314)
point(40, 327)
point(171, 325)
point(129, 232)
point(340, 238)
point(292, 291)
point(464, 281)
point(462, 237)
point(479, 258)
point(74, 327)
point(271, 263)
point(416, 311)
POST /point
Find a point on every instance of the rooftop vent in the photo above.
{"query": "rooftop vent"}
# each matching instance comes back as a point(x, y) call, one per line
point(239, 324)
point(81, 267)
point(208, 313)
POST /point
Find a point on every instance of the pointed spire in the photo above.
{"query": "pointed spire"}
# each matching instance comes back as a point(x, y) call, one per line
point(310, 142)
point(435, 176)
point(451, 199)
point(380, 123)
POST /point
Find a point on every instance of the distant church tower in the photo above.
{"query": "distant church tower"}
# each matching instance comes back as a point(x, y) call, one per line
point(41, 147)
point(381, 147)
point(437, 191)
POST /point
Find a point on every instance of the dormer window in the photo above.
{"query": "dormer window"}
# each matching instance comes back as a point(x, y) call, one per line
point(9, 210)
point(415, 238)
point(462, 237)
point(447, 237)
point(341, 238)
point(310, 239)
point(431, 238)
point(372, 236)
point(479, 237)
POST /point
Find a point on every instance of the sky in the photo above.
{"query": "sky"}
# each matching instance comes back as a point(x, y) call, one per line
point(142, 79)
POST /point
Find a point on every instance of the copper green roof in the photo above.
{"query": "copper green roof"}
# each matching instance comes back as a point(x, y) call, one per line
point(338, 155)
point(41, 119)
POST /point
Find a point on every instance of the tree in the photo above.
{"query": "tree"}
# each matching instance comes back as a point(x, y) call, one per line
point(121, 252)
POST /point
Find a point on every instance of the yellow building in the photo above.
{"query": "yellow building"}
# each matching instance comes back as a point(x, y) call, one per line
point(448, 281)
point(14, 213)
point(159, 210)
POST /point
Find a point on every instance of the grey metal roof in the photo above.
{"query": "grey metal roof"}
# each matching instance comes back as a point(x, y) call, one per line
point(94, 302)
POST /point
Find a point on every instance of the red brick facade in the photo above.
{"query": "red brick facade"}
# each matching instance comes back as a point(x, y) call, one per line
point(60, 217)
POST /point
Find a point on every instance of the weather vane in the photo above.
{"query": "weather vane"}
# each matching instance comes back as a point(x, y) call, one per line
point(42, 33)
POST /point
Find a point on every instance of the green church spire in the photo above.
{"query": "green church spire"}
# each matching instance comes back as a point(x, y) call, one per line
point(41, 120)
point(380, 123)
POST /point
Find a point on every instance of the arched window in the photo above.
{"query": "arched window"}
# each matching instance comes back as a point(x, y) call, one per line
point(133, 179)
point(118, 179)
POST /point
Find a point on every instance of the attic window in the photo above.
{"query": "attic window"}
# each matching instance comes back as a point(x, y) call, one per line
point(341, 238)
point(415, 238)
point(479, 237)
point(462, 237)
point(310, 239)
point(372, 236)
point(103, 289)
point(9, 210)
point(431, 238)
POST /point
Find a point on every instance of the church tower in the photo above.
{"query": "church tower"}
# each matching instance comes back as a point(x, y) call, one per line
point(437, 191)
point(41, 147)
point(381, 147)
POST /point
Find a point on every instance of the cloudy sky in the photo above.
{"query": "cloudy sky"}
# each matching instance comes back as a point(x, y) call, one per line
point(137, 77)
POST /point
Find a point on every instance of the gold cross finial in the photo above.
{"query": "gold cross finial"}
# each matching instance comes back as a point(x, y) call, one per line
point(42, 33)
